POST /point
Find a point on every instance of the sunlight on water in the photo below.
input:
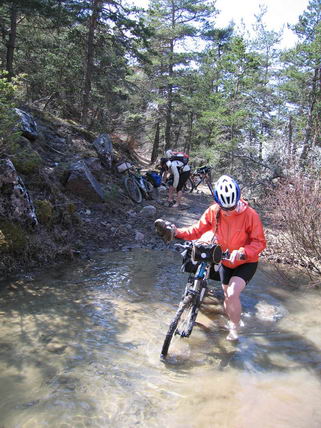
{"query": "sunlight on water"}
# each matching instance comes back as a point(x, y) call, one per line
point(234, 399)
point(80, 345)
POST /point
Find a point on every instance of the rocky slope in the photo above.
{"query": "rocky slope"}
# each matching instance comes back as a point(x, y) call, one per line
point(75, 220)
point(73, 223)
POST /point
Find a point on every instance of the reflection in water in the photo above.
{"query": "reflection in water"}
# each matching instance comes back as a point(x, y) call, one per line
point(79, 347)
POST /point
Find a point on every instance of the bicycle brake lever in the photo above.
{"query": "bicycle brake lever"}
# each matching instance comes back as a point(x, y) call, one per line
point(226, 255)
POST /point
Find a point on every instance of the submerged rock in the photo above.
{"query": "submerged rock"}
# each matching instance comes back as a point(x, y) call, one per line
point(268, 312)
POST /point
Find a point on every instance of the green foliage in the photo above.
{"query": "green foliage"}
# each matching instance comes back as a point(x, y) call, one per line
point(44, 211)
point(13, 239)
point(301, 85)
point(205, 155)
point(8, 117)
point(26, 160)
point(223, 96)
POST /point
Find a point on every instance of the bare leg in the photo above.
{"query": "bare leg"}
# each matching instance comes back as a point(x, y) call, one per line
point(179, 198)
point(170, 194)
point(232, 302)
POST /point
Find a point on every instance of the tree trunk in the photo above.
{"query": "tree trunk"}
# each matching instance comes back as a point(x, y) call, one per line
point(12, 40)
point(169, 107)
point(290, 143)
point(168, 126)
point(156, 143)
point(93, 20)
point(188, 142)
point(177, 135)
point(308, 141)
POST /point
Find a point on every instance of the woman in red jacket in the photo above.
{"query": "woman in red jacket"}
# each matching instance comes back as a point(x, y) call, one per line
point(236, 227)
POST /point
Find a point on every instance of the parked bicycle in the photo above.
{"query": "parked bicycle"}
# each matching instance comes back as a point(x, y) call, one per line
point(200, 176)
point(204, 257)
point(137, 186)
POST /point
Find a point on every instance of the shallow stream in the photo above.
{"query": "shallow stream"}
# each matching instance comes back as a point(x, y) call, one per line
point(79, 347)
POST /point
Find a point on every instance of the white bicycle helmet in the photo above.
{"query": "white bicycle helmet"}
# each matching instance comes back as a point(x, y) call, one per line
point(227, 192)
point(169, 153)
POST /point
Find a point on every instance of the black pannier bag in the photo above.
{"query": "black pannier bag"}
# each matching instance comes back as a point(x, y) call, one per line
point(188, 265)
point(206, 253)
point(202, 252)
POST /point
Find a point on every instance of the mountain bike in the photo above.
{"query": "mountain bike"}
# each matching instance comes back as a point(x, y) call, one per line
point(200, 176)
point(203, 256)
point(137, 185)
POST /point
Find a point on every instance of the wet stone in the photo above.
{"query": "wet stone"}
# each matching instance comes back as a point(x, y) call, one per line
point(56, 348)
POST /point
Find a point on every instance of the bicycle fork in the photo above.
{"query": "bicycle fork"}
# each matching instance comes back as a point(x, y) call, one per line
point(197, 293)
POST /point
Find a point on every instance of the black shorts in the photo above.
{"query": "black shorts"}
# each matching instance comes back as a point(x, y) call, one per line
point(245, 271)
point(183, 177)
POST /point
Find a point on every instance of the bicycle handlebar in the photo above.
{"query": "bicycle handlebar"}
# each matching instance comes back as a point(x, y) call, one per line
point(189, 244)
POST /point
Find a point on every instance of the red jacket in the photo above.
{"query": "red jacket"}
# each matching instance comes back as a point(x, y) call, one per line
point(240, 229)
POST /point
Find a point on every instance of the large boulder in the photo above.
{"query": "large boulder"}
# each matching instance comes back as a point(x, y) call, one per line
point(81, 182)
point(27, 125)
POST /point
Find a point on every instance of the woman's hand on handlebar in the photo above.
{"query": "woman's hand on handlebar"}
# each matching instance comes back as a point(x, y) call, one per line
point(236, 255)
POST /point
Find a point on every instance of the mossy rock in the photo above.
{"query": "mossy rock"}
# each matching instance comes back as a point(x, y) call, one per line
point(44, 211)
point(13, 238)
point(27, 162)
point(25, 159)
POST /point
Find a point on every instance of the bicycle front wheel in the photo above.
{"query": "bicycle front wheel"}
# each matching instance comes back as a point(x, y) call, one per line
point(179, 324)
point(149, 190)
point(132, 189)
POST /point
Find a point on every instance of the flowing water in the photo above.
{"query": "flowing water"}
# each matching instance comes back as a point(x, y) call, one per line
point(79, 347)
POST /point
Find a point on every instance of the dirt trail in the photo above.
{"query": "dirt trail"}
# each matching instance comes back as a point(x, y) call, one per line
point(143, 234)
point(193, 206)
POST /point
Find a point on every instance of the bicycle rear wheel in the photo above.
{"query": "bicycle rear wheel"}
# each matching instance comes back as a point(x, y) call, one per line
point(180, 323)
point(132, 189)
point(189, 186)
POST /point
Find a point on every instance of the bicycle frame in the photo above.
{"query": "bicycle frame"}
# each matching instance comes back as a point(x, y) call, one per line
point(204, 175)
point(202, 178)
point(185, 317)
point(202, 274)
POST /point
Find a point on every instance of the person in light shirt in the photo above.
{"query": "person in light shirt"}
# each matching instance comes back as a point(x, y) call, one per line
point(178, 173)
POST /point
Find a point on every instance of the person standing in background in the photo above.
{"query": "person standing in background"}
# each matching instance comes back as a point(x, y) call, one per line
point(176, 172)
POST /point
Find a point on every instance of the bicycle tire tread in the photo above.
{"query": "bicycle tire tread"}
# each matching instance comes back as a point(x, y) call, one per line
point(172, 327)
point(133, 190)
